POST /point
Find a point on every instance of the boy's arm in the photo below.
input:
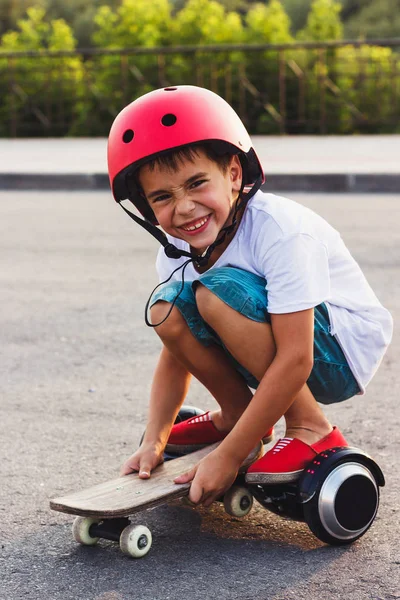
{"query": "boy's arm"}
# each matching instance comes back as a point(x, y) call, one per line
point(287, 374)
point(169, 388)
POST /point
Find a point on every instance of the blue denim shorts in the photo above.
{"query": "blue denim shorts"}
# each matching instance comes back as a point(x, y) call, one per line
point(331, 379)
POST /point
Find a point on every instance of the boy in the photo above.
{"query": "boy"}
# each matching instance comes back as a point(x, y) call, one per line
point(270, 298)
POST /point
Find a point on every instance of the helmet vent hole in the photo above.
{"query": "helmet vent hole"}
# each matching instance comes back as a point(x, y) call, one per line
point(128, 136)
point(170, 89)
point(168, 120)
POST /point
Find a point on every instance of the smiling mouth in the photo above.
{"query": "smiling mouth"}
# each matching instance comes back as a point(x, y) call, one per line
point(195, 226)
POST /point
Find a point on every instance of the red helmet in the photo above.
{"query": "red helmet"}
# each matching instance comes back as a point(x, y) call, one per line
point(169, 118)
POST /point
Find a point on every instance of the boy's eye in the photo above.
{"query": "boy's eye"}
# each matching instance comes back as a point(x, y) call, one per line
point(160, 198)
point(198, 183)
point(164, 197)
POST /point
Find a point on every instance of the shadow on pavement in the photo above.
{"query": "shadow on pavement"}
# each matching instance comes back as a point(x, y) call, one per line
point(195, 554)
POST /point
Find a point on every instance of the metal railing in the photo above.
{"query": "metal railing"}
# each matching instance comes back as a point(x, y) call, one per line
point(308, 88)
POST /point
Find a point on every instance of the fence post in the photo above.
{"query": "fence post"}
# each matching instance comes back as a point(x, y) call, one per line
point(282, 91)
point(13, 109)
point(124, 78)
point(322, 89)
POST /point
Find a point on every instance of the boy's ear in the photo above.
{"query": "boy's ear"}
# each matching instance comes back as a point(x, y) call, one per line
point(236, 173)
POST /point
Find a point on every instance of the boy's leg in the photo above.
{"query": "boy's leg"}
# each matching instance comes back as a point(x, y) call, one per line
point(252, 344)
point(210, 365)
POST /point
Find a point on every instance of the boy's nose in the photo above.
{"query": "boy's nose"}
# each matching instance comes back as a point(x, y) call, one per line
point(184, 205)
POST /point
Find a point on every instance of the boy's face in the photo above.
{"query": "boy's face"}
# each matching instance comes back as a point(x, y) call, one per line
point(195, 202)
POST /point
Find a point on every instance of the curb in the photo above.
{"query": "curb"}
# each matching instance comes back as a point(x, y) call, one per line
point(54, 181)
point(329, 182)
point(335, 182)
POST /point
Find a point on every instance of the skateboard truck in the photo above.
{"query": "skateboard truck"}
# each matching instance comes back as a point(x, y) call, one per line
point(109, 529)
point(134, 540)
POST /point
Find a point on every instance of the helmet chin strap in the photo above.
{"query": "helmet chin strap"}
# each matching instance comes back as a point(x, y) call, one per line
point(200, 260)
point(170, 250)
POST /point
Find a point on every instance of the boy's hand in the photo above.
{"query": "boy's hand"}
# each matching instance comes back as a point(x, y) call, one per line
point(211, 477)
point(144, 460)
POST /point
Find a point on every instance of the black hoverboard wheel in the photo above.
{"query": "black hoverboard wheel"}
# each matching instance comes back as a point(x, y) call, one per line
point(339, 491)
point(187, 412)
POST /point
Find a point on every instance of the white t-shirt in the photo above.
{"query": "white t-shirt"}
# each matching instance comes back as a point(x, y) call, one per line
point(305, 262)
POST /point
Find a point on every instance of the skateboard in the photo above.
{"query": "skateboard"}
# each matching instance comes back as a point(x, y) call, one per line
point(103, 511)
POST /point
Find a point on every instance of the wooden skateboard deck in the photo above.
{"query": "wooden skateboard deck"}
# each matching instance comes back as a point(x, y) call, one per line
point(129, 494)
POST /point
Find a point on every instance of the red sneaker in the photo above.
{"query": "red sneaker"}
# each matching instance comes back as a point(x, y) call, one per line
point(285, 462)
point(198, 432)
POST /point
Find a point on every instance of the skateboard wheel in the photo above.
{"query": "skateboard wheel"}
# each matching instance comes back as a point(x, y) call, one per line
point(135, 540)
point(238, 501)
point(80, 531)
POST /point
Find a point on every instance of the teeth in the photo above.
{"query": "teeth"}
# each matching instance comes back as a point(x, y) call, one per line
point(197, 226)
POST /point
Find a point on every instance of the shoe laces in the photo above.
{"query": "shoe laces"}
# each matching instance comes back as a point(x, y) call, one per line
point(201, 418)
point(281, 444)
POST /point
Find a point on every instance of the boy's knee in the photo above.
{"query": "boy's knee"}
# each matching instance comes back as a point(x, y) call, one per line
point(173, 325)
point(207, 302)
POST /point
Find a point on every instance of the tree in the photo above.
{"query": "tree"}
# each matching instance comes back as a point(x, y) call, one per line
point(35, 33)
point(206, 22)
point(370, 19)
point(11, 11)
point(265, 24)
point(79, 14)
point(297, 11)
point(368, 92)
point(240, 6)
point(133, 23)
point(323, 22)
point(268, 24)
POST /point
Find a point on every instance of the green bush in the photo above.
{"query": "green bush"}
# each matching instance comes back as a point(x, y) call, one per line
point(44, 90)
point(365, 78)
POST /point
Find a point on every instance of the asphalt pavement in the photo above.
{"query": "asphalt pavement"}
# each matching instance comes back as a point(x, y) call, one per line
point(76, 362)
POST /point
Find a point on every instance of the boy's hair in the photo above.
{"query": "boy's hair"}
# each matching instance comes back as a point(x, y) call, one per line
point(173, 159)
